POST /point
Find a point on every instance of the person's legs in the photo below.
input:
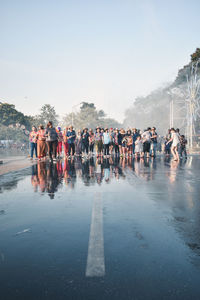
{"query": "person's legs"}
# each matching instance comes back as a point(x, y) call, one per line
point(86, 148)
point(173, 152)
point(116, 149)
point(111, 147)
point(69, 149)
point(32, 148)
point(130, 150)
point(92, 148)
point(66, 148)
point(98, 147)
point(35, 149)
point(181, 152)
point(148, 149)
point(49, 146)
point(133, 147)
point(120, 149)
point(144, 148)
point(39, 149)
point(104, 149)
point(154, 149)
point(83, 148)
point(54, 148)
point(185, 153)
point(108, 149)
point(73, 149)
point(59, 148)
point(123, 150)
point(176, 153)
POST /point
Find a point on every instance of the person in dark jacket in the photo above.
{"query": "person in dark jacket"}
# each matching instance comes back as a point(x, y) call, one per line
point(71, 137)
point(51, 140)
point(85, 141)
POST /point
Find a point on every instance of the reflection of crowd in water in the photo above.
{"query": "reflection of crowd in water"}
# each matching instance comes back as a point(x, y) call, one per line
point(48, 177)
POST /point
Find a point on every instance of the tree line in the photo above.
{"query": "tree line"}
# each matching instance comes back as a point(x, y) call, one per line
point(14, 125)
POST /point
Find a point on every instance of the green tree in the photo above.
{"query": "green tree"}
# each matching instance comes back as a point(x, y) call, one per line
point(47, 113)
point(89, 117)
point(9, 115)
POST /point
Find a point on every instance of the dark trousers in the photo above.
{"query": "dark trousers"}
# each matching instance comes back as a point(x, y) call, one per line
point(116, 149)
point(71, 148)
point(183, 150)
point(52, 148)
point(91, 147)
point(106, 149)
point(33, 147)
point(85, 148)
point(133, 147)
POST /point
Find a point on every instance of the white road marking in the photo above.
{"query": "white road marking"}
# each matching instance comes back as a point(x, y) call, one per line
point(95, 260)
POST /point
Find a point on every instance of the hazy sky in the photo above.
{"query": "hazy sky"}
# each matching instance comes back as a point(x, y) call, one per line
point(107, 51)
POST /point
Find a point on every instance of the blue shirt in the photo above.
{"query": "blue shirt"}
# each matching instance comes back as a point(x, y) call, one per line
point(135, 135)
point(71, 136)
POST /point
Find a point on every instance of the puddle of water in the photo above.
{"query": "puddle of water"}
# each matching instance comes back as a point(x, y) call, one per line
point(150, 218)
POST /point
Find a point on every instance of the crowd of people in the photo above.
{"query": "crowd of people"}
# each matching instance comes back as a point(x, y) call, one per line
point(103, 141)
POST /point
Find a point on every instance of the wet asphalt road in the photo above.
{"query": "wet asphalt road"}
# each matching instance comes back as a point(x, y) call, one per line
point(101, 230)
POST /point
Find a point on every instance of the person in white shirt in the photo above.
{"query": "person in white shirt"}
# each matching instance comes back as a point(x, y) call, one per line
point(175, 142)
point(106, 142)
point(146, 138)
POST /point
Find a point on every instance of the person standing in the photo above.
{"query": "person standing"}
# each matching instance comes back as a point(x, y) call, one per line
point(98, 141)
point(124, 142)
point(33, 141)
point(183, 143)
point(120, 138)
point(60, 141)
point(71, 137)
point(41, 142)
point(65, 142)
point(91, 142)
point(51, 140)
point(129, 143)
point(85, 141)
point(78, 143)
point(112, 134)
point(116, 144)
point(146, 137)
point(154, 141)
point(138, 147)
point(135, 134)
point(175, 142)
point(106, 142)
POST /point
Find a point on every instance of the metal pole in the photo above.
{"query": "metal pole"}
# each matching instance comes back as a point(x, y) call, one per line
point(72, 117)
point(191, 126)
